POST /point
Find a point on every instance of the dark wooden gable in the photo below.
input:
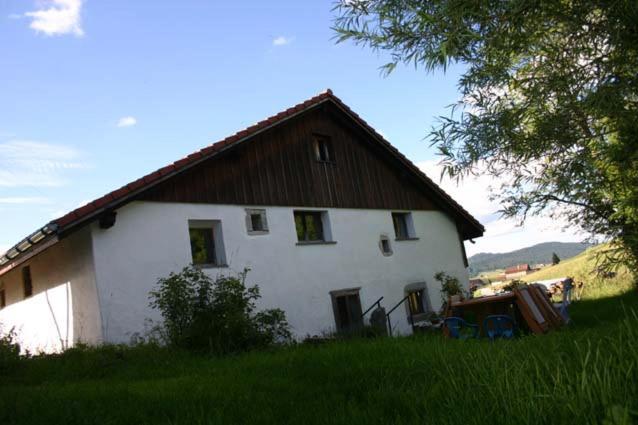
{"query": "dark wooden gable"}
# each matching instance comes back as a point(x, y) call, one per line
point(279, 167)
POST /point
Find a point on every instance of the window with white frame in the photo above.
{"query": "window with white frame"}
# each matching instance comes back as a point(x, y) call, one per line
point(207, 246)
point(403, 226)
point(312, 227)
point(256, 221)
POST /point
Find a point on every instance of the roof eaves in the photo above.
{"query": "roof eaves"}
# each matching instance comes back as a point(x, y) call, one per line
point(27, 243)
point(118, 197)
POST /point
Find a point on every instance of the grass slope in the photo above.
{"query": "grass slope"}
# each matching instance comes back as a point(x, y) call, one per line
point(586, 374)
point(582, 268)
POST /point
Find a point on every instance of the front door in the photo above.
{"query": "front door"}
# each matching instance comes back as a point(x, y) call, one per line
point(346, 305)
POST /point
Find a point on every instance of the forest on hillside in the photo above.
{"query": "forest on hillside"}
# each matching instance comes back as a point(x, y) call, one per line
point(535, 254)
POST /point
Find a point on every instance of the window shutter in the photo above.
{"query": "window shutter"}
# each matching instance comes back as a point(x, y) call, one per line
point(263, 219)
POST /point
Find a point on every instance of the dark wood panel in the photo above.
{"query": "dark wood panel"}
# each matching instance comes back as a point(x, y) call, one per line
point(278, 167)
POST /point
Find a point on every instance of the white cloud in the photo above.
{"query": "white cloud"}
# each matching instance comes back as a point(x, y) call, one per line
point(501, 235)
point(127, 122)
point(28, 163)
point(4, 248)
point(57, 17)
point(282, 41)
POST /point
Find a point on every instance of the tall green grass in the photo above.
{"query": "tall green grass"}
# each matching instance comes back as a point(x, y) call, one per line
point(585, 374)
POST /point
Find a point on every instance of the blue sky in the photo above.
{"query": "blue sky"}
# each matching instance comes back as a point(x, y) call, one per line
point(97, 93)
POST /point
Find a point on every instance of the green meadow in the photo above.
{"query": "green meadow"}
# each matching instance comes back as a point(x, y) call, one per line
point(586, 373)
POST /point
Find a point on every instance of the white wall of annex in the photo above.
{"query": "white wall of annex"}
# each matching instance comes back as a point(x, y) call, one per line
point(150, 240)
point(63, 308)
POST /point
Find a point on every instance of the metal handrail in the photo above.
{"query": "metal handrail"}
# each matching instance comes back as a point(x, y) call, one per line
point(394, 308)
point(377, 302)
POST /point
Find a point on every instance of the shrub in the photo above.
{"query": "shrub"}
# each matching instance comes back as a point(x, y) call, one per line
point(449, 285)
point(218, 315)
point(513, 285)
point(9, 350)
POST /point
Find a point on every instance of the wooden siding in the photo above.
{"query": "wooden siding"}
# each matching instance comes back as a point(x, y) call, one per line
point(279, 167)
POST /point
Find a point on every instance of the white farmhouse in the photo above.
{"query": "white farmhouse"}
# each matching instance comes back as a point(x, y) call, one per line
point(327, 214)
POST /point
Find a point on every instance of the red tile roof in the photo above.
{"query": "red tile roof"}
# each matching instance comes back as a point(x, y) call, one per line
point(119, 196)
point(517, 268)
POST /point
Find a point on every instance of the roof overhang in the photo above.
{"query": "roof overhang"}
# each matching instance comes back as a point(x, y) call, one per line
point(48, 235)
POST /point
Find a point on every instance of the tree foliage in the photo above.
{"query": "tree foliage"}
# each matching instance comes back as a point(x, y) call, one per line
point(9, 349)
point(215, 315)
point(555, 259)
point(549, 99)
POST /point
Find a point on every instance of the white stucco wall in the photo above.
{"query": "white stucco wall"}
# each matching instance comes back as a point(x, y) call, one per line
point(63, 308)
point(150, 240)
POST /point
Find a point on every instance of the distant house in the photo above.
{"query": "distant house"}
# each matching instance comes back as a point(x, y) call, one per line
point(517, 271)
point(326, 213)
point(476, 283)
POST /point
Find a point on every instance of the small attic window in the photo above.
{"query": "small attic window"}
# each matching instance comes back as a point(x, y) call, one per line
point(323, 149)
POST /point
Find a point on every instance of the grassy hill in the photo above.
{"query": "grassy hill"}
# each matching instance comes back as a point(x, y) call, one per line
point(540, 253)
point(582, 268)
point(586, 374)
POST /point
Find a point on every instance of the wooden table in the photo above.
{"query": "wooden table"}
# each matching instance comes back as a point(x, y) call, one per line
point(483, 307)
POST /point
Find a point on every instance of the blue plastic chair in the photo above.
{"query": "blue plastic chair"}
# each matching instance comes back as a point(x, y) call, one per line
point(499, 326)
point(455, 326)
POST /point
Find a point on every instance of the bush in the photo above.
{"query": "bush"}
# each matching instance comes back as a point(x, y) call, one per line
point(215, 315)
point(449, 285)
point(9, 350)
point(513, 285)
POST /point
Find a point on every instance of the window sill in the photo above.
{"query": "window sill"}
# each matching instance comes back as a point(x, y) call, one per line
point(257, 232)
point(406, 239)
point(316, 243)
point(211, 266)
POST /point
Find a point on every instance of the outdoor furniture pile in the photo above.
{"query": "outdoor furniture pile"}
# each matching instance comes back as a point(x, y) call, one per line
point(528, 308)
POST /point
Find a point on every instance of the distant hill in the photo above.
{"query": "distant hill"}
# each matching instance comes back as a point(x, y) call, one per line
point(541, 253)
